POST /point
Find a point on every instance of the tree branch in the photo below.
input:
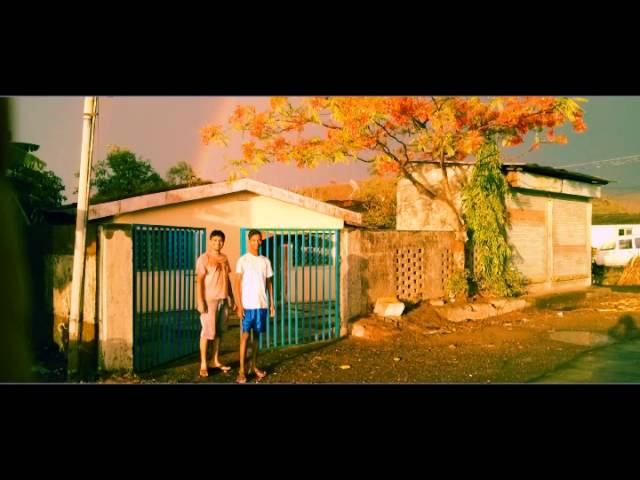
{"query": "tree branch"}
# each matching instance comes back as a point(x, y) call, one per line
point(408, 175)
point(404, 145)
point(419, 186)
point(418, 122)
point(359, 158)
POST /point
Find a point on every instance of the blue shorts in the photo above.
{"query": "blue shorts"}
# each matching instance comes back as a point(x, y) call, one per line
point(256, 319)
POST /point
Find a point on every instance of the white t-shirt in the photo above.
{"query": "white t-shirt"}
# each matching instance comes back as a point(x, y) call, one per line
point(255, 270)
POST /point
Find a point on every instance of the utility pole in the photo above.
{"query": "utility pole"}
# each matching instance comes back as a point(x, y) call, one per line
point(82, 210)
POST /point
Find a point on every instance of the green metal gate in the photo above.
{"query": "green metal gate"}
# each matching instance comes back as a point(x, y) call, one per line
point(306, 285)
point(166, 324)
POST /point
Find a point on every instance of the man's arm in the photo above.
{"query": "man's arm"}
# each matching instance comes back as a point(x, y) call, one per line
point(230, 294)
point(202, 306)
point(270, 288)
point(239, 309)
point(232, 297)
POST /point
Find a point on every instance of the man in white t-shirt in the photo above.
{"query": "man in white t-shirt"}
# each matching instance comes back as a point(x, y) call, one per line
point(253, 279)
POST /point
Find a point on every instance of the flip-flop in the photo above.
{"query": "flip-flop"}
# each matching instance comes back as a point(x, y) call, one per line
point(241, 379)
point(260, 374)
point(204, 372)
point(222, 368)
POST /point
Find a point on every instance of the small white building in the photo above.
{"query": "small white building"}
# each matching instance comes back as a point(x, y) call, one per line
point(601, 234)
point(140, 281)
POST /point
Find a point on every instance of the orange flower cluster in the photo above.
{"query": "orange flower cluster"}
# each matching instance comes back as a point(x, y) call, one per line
point(393, 131)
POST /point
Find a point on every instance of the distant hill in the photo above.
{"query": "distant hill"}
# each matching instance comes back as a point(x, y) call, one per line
point(604, 206)
point(630, 200)
point(616, 207)
point(615, 219)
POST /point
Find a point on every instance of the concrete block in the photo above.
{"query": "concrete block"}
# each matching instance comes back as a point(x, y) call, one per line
point(358, 331)
point(388, 307)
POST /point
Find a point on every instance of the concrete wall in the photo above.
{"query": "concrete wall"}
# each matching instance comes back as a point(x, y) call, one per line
point(369, 266)
point(116, 298)
point(58, 266)
point(417, 212)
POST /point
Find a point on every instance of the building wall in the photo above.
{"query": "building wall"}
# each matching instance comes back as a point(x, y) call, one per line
point(549, 222)
point(605, 233)
point(550, 236)
point(528, 233)
point(571, 230)
point(417, 212)
point(115, 298)
point(58, 242)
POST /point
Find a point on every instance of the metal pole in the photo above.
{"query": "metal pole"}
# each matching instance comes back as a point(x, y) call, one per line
point(75, 332)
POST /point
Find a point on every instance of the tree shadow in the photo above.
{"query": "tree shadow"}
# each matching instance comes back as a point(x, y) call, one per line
point(278, 357)
point(625, 329)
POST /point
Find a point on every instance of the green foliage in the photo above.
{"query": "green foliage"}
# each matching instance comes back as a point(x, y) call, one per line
point(36, 187)
point(378, 199)
point(122, 174)
point(598, 273)
point(457, 285)
point(485, 213)
point(20, 156)
point(182, 174)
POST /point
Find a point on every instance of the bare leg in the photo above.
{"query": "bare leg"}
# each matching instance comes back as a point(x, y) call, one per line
point(243, 350)
point(215, 362)
point(218, 321)
point(203, 356)
point(254, 365)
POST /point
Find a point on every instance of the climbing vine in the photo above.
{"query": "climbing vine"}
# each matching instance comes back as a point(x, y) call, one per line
point(485, 213)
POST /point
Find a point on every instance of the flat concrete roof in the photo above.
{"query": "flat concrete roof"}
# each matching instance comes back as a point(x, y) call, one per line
point(172, 197)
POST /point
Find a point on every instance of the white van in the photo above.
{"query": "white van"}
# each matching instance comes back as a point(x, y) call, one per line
point(618, 252)
point(601, 234)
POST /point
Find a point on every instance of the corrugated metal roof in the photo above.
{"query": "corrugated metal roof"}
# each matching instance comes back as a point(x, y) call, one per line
point(538, 169)
point(554, 172)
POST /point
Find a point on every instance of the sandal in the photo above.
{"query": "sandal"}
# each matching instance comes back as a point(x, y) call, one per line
point(222, 368)
point(204, 372)
point(260, 374)
point(241, 379)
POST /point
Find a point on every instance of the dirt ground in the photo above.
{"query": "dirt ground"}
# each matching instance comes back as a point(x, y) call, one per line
point(421, 347)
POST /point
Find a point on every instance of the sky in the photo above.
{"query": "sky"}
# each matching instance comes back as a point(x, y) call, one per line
point(165, 131)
